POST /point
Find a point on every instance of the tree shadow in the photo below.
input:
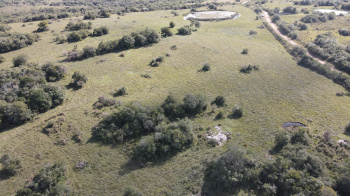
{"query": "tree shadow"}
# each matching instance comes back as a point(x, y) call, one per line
point(231, 116)
point(4, 175)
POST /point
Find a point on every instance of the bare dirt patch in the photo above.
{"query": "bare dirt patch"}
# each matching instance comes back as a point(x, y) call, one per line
point(212, 15)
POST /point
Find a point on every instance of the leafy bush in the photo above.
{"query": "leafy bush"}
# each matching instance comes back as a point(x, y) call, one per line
point(237, 112)
point(165, 32)
point(104, 102)
point(56, 94)
point(317, 18)
point(77, 36)
point(79, 25)
point(15, 41)
point(120, 92)
point(90, 16)
point(186, 30)
point(49, 181)
point(88, 51)
point(167, 140)
point(290, 10)
point(347, 129)
point(10, 166)
point(281, 140)
point(130, 122)
point(206, 67)
point(252, 32)
point(126, 42)
point(344, 32)
point(245, 51)
point(21, 59)
point(235, 170)
point(79, 80)
point(172, 24)
point(249, 68)
point(43, 26)
point(275, 18)
point(40, 101)
point(140, 40)
point(219, 101)
point(15, 113)
point(54, 72)
point(100, 31)
point(300, 137)
point(194, 105)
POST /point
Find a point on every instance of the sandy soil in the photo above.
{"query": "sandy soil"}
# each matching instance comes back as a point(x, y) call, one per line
point(210, 15)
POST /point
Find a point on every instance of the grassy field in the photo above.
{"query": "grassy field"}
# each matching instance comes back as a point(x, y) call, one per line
point(281, 91)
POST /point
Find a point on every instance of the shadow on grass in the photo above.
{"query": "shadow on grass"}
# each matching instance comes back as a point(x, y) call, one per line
point(74, 88)
point(4, 175)
point(231, 116)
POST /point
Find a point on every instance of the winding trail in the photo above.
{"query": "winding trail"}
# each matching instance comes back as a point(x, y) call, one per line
point(275, 28)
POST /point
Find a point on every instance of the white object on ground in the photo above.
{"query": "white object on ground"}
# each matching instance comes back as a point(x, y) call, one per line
point(220, 136)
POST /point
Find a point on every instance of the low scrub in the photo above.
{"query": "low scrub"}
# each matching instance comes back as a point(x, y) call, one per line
point(249, 68)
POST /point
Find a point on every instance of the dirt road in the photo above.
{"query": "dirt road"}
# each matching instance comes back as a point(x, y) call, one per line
point(275, 28)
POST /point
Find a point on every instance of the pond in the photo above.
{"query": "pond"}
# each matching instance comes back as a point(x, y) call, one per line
point(336, 12)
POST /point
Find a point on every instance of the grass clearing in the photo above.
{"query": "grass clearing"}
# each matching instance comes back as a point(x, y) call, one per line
point(279, 92)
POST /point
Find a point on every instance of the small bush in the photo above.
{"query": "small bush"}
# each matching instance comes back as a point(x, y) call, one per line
point(252, 32)
point(344, 32)
point(79, 80)
point(245, 51)
point(213, 142)
point(186, 30)
point(21, 59)
point(126, 42)
point(220, 115)
point(10, 166)
point(275, 18)
point(43, 26)
point(237, 112)
point(206, 67)
point(88, 51)
point(174, 47)
point(122, 91)
point(54, 72)
point(248, 69)
point(281, 140)
point(2, 59)
point(165, 32)
point(219, 101)
point(172, 24)
point(100, 31)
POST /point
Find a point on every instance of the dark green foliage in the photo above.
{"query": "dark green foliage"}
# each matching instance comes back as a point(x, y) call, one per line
point(90, 16)
point(345, 6)
point(317, 18)
point(126, 42)
point(172, 108)
point(140, 40)
point(104, 102)
point(165, 32)
point(100, 31)
point(56, 93)
point(300, 137)
point(54, 72)
point(79, 25)
point(132, 191)
point(288, 29)
point(168, 140)
point(15, 113)
point(15, 41)
point(79, 80)
point(49, 181)
point(104, 13)
point(298, 51)
point(302, 27)
point(252, 32)
point(206, 67)
point(220, 115)
point(275, 18)
point(174, 47)
point(235, 170)
point(194, 105)
point(219, 101)
point(21, 59)
point(40, 101)
point(281, 140)
point(172, 24)
point(290, 10)
point(245, 51)
point(186, 30)
point(43, 26)
point(130, 122)
point(4, 28)
point(156, 62)
point(10, 166)
point(344, 32)
point(120, 92)
point(237, 112)
point(77, 35)
point(88, 51)
point(248, 69)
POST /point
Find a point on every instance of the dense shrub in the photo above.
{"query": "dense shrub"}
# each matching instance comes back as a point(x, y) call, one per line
point(78, 80)
point(219, 101)
point(120, 92)
point(100, 31)
point(165, 32)
point(54, 72)
point(344, 32)
point(15, 113)
point(49, 181)
point(253, 32)
point(206, 67)
point(140, 40)
point(281, 140)
point(237, 112)
point(77, 35)
point(43, 26)
point(290, 10)
point(15, 41)
point(300, 137)
point(194, 105)
point(345, 6)
point(186, 30)
point(56, 94)
point(79, 25)
point(233, 171)
point(10, 166)
point(4, 28)
point(90, 16)
point(347, 129)
point(168, 140)
point(317, 18)
point(172, 24)
point(156, 62)
point(21, 59)
point(130, 122)
point(275, 18)
point(104, 13)
point(40, 101)
point(126, 42)
point(287, 29)
point(248, 69)
point(88, 51)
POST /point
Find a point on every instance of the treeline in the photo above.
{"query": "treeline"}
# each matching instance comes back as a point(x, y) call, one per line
point(138, 39)
point(26, 91)
point(302, 164)
point(15, 41)
point(326, 47)
point(304, 60)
